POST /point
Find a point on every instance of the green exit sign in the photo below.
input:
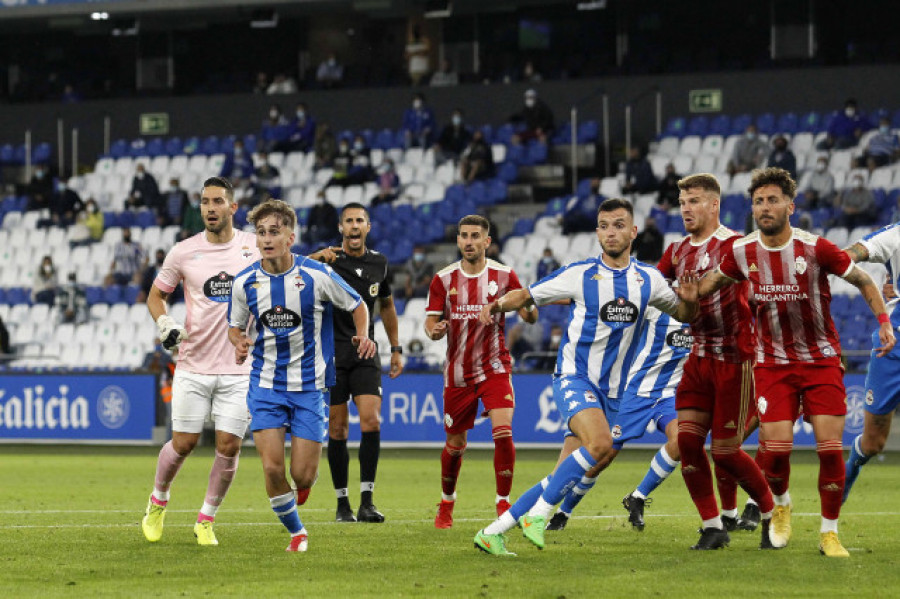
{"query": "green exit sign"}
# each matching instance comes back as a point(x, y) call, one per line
point(705, 100)
point(155, 123)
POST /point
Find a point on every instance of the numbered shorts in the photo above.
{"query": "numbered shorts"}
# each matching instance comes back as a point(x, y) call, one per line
point(354, 376)
point(779, 390)
point(883, 381)
point(461, 403)
point(574, 393)
point(724, 389)
point(196, 396)
point(636, 412)
point(302, 413)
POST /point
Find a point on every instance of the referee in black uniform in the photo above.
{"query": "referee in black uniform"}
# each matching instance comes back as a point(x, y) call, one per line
point(366, 271)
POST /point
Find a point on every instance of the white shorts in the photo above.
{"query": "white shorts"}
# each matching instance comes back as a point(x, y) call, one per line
point(195, 396)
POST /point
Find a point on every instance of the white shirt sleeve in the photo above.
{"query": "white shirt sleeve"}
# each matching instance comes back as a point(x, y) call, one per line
point(336, 290)
point(238, 310)
point(882, 244)
point(561, 284)
point(661, 295)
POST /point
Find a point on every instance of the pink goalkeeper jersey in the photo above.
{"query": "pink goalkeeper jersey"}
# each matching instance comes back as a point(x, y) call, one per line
point(208, 270)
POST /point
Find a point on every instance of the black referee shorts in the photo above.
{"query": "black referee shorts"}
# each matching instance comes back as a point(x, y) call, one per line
point(354, 376)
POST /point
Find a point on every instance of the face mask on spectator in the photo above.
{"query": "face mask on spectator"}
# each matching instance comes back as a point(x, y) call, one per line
point(417, 104)
point(418, 256)
point(750, 135)
point(273, 114)
point(820, 167)
point(238, 152)
point(858, 183)
point(457, 120)
point(140, 175)
point(300, 114)
point(529, 102)
point(92, 208)
point(555, 339)
point(344, 148)
point(358, 145)
point(885, 129)
point(850, 111)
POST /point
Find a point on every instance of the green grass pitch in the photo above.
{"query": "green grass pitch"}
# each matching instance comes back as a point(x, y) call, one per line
point(70, 527)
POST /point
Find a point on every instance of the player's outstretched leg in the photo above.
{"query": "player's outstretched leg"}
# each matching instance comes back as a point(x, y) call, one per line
point(451, 461)
point(570, 502)
point(831, 492)
point(855, 462)
point(661, 466)
point(339, 464)
point(220, 477)
point(508, 519)
point(167, 466)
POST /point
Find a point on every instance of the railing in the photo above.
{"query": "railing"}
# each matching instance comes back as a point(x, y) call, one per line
point(628, 114)
point(574, 126)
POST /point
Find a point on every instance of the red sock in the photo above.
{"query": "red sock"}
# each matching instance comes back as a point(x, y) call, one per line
point(742, 469)
point(778, 465)
point(727, 488)
point(504, 459)
point(451, 460)
point(831, 477)
point(695, 467)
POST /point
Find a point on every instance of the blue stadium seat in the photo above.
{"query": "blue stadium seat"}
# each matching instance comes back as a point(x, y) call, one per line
point(240, 217)
point(788, 123)
point(740, 123)
point(93, 295)
point(588, 132)
point(536, 153)
point(250, 143)
point(404, 213)
point(698, 125)
point(191, 146)
point(382, 213)
point(113, 294)
point(515, 154)
point(118, 149)
point(7, 154)
point(10, 204)
point(507, 172)
point(18, 295)
point(445, 212)
point(145, 218)
point(676, 127)
point(174, 146)
point(20, 154)
point(41, 153)
point(403, 250)
point(488, 132)
point(721, 125)
point(303, 216)
point(556, 206)
point(476, 193)
point(137, 148)
point(130, 294)
point(368, 135)
point(346, 134)
point(826, 120)
point(384, 140)
point(765, 123)
point(455, 193)
point(809, 122)
point(563, 134)
point(496, 191)
point(385, 247)
point(399, 305)
point(125, 219)
point(226, 144)
point(523, 226)
point(156, 147)
point(210, 145)
point(463, 208)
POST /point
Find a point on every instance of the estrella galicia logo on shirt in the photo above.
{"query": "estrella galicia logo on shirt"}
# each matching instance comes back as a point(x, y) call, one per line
point(218, 287)
point(680, 338)
point(619, 313)
point(279, 318)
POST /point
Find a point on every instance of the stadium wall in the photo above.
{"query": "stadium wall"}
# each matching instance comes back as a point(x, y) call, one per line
point(822, 89)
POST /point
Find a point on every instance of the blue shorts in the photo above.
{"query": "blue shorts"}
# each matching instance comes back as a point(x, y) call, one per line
point(574, 393)
point(636, 412)
point(883, 381)
point(301, 412)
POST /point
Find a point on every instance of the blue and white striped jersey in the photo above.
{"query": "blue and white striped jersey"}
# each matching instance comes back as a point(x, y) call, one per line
point(884, 247)
point(294, 345)
point(662, 350)
point(605, 315)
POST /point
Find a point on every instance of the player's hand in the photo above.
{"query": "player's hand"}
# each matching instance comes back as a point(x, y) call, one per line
point(438, 330)
point(396, 365)
point(886, 336)
point(327, 255)
point(688, 287)
point(242, 350)
point(486, 316)
point(171, 333)
point(365, 347)
point(888, 291)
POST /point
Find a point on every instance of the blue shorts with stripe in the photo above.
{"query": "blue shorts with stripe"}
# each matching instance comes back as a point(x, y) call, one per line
point(883, 381)
point(301, 412)
point(636, 412)
point(574, 393)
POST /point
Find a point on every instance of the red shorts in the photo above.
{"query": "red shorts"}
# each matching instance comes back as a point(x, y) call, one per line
point(461, 403)
point(781, 389)
point(724, 389)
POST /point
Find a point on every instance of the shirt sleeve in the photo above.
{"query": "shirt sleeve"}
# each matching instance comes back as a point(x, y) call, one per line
point(384, 289)
point(238, 310)
point(833, 259)
point(561, 284)
point(665, 265)
point(337, 291)
point(437, 296)
point(661, 295)
point(882, 244)
point(514, 282)
point(729, 266)
point(169, 275)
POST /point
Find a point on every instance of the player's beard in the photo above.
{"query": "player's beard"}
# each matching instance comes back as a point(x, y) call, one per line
point(774, 226)
point(217, 227)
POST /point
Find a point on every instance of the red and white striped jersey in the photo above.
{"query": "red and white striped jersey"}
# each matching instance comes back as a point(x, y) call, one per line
point(790, 289)
point(723, 328)
point(474, 350)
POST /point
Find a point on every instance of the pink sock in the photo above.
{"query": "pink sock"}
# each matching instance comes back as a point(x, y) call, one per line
point(220, 478)
point(167, 467)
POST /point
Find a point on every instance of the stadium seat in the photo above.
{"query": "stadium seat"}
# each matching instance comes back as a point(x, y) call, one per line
point(720, 125)
point(765, 123)
point(811, 122)
point(676, 127)
point(698, 125)
point(588, 132)
point(787, 123)
point(156, 147)
point(112, 294)
point(740, 123)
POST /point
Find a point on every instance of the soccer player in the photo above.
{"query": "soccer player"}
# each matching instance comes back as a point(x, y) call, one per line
point(797, 350)
point(717, 385)
point(290, 299)
point(883, 376)
point(609, 297)
point(478, 363)
point(206, 379)
point(367, 272)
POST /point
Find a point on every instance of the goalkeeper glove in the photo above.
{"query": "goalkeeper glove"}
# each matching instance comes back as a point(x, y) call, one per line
point(171, 333)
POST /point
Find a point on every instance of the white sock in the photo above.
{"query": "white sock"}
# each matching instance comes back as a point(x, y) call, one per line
point(730, 513)
point(160, 495)
point(713, 523)
point(638, 494)
point(828, 525)
point(446, 497)
point(541, 508)
point(500, 498)
point(340, 493)
point(209, 510)
point(501, 524)
point(782, 499)
point(750, 501)
point(302, 532)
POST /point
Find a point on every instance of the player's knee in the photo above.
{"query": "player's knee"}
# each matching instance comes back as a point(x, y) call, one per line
point(369, 423)
point(338, 431)
point(229, 447)
point(304, 475)
point(601, 449)
point(872, 444)
point(184, 445)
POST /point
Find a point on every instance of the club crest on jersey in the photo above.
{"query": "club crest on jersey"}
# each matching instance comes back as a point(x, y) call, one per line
point(870, 397)
point(279, 318)
point(761, 404)
point(448, 420)
point(704, 261)
point(245, 252)
point(619, 313)
point(299, 283)
point(492, 288)
point(597, 277)
point(218, 287)
point(373, 289)
point(638, 278)
point(827, 352)
point(616, 431)
point(590, 397)
point(800, 265)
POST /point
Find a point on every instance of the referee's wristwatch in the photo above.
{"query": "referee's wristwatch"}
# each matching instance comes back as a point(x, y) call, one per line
point(396, 349)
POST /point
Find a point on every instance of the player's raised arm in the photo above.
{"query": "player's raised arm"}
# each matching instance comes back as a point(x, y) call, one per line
point(857, 252)
point(389, 319)
point(862, 281)
point(514, 300)
point(327, 255)
point(712, 281)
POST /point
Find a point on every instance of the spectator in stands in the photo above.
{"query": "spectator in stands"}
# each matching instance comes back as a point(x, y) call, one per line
point(43, 289)
point(144, 189)
point(819, 190)
point(648, 245)
point(530, 74)
point(69, 95)
point(477, 160)
point(262, 83)
point(845, 129)
point(454, 139)
point(65, 205)
point(857, 204)
point(72, 301)
point(5, 348)
point(352, 165)
point(157, 359)
point(418, 123)
point(548, 264)
point(420, 272)
point(388, 183)
point(493, 253)
point(536, 117)
point(418, 54)
point(265, 181)
point(416, 361)
point(748, 153)
point(883, 148)
point(40, 188)
point(302, 133)
point(330, 73)
point(522, 339)
point(129, 259)
point(275, 130)
point(581, 212)
point(93, 220)
point(446, 76)
point(174, 201)
point(550, 349)
point(783, 157)
point(325, 146)
point(638, 174)
point(668, 188)
point(192, 220)
point(322, 223)
point(148, 275)
point(238, 165)
point(282, 85)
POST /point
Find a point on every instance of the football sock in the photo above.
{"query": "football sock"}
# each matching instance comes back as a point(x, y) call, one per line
point(566, 476)
point(285, 507)
point(451, 460)
point(727, 487)
point(741, 468)
point(828, 525)
point(365, 493)
point(339, 464)
point(574, 497)
point(695, 468)
point(167, 467)
point(855, 462)
point(661, 466)
point(831, 477)
point(712, 523)
point(778, 467)
point(369, 449)
point(504, 458)
point(220, 477)
point(527, 499)
point(502, 524)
